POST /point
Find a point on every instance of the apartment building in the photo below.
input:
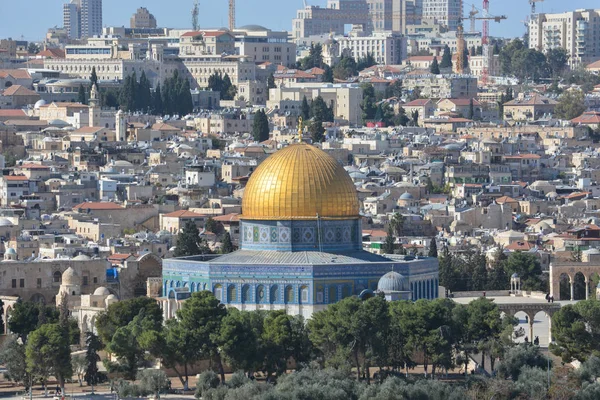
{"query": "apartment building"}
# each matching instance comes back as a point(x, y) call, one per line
point(388, 48)
point(372, 15)
point(578, 32)
point(443, 12)
point(142, 19)
point(260, 44)
point(82, 18)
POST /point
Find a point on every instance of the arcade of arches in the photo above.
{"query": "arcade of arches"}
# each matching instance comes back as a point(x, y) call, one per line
point(575, 278)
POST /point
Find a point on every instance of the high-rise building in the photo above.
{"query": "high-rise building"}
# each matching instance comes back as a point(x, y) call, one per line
point(142, 19)
point(83, 18)
point(574, 31)
point(443, 12)
point(372, 15)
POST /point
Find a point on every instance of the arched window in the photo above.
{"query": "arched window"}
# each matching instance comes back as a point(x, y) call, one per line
point(245, 294)
point(333, 296)
point(304, 295)
point(260, 294)
point(346, 291)
point(218, 292)
point(274, 294)
point(289, 295)
point(231, 294)
point(57, 277)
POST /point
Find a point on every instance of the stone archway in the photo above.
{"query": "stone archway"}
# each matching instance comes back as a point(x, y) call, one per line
point(587, 269)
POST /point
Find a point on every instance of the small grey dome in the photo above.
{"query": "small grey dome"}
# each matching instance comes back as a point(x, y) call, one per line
point(101, 291)
point(70, 277)
point(515, 275)
point(406, 196)
point(11, 251)
point(39, 104)
point(392, 282)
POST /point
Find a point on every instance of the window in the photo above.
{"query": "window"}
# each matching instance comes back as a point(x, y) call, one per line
point(304, 294)
point(95, 280)
point(22, 282)
point(218, 292)
point(85, 281)
point(39, 283)
point(14, 283)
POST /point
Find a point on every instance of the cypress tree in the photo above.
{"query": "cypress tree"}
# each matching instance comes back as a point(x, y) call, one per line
point(434, 68)
point(157, 104)
point(471, 109)
point(227, 244)
point(185, 102)
point(305, 109)
point(94, 78)
point(389, 244)
point(466, 59)
point(188, 241)
point(446, 58)
point(260, 126)
point(144, 94)
point(317, 132)
point(81, 95)
point(433, 252)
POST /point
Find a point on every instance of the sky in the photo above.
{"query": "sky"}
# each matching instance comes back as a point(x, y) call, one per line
point(30, 19)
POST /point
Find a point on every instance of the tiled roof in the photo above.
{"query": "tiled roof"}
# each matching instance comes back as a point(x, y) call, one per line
point(12, 113)
point(233, 217)
point(590, 117)
point(15, 73)
point(18, 90)
point(417, 103)
point(15, 178)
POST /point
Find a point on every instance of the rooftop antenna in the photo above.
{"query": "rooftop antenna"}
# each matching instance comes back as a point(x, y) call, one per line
point(195, 12)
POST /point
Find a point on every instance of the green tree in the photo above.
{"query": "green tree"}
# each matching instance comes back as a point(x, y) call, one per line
point(433, 252)
point(389, 244)
point(365, 62)
point(576, 331)
point(260, 126)
point(434, 68)
point(317, 131)
point(270, 84)
point(397, 222)
point(186, 104)
point(284, 337)
point(520, 357)
point(188, 241)
point(571, 104)
point(557, 61)
point(154, 381)
point(12, 356)
point(227, 244)
point(446, 58)
point(157, 104)
point(528, 267)
point(305, 110)
point(368, 105)
point(240, 339)
point(33, 48)
point(143, 94)
point(48, 352)
point(127, 95)
point(401, 119)
point(120, 314)
point(394, 89)
point(81, 95)
point(202, 314)
point(328, 74)
point(92, 375)
point(345, 68)
point(25, 315)
point(447, 272)
point(94, 78)
point(211, 225)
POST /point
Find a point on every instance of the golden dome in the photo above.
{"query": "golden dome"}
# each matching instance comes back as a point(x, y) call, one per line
point(300, 182)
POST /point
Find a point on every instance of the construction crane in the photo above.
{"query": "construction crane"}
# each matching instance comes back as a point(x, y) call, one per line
point(195, 12)
point(485, 38)
point(231, 15)
point(472, 15)
point(532, 2)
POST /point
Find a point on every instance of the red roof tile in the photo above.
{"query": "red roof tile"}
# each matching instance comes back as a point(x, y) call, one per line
point(98, 205)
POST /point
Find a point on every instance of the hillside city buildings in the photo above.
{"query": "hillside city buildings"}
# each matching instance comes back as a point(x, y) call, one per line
point(301, 150)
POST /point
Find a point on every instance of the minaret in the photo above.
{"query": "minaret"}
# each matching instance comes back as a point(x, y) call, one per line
point(94, 107)
point(120, 126)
